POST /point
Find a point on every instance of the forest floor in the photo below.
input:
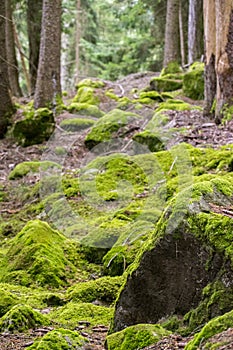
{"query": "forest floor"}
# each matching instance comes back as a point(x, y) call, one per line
point(200, 132)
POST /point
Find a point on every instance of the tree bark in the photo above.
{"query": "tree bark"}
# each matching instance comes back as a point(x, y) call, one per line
point(13, 72)
point(172, 47)
point(181, 30)
point(34, 16)
point(195, 30)
point(48, 84)
point(210, 55)
point(77, 41)
point(6, 106)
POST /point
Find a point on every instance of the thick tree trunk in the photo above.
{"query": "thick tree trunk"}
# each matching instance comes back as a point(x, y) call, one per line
point(224, 55)
point(34, 15)
point(195, 30)
point(210, 55)
point(6, 106)
point(48, 84)
point(172, 47)
point(13, 71)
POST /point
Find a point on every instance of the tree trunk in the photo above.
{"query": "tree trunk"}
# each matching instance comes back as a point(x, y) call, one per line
point(224, 56)
point(181, 29)
point(34, 15)
point(6, 106)
point(172, 47)
point(195, 30)
point(48, 84)
point(210, 55)
point(77, 41)
point(13, 72)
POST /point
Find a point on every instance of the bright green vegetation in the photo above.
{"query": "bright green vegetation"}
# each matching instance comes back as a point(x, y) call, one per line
point(171, 68)
point(59, 339)
point(162, 84)
point(214, 326)
point(36, 127)
point(193, 82)
point(136, 337)
point(70, 314)
point(105, 127)
point(90, 83)
point(21, 318)
point(87, 95)
point(24, 168)
point(77, 124)
point(175, 105)
point(85, 109)
point(153, 141)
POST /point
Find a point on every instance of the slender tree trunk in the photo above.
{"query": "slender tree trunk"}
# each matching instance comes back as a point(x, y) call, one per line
point(210, 54)
point(195, 30)
point(13, 71)
point(224, 55)
point(48, 84)
point(34, 15)
point(6, 106)
point(172, 47)
point(181, 29)
point(77, 41)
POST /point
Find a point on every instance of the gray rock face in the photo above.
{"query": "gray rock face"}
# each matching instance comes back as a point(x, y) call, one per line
point(169, 280)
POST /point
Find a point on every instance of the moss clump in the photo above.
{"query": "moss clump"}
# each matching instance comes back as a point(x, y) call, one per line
point(103, 289)
point(214, 326)
point(111, 95)
point(90, 83)
point(150, 139)
point(105, 128)
point(37, 127)
point(7, 300)
point(70, 314)
point(172, 68)
point(87, 95)
point(24, 168)
point(85, 109)
point(136, 337)
point(151, 95)
point(193, 83)
point(164, 84)
point(174, 105)
point(20, 318)
point(36, 256)
point(76, 124)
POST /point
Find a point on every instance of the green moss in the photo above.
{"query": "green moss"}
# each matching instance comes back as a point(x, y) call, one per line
point(59, 339)
point(20, 318)
point(85, 109)
point(24, 168)
point(103, 289)
point(87, 95)
point(70, 314)
point(35, 128)
point(151, 95)
point(90, 83)
point(163, 84)
point(36, 256)
point(111, 95)
point(7, 300)
point(193, 83)
point(171, 68)
point(175, 105)
point(76, 124)
point(213, 327)
point(136, 337)
point(105, 128)
point(150, 139)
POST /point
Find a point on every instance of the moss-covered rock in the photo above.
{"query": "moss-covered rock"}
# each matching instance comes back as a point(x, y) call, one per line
point(76, 124)
point(36, 256)
point(21, 318)
point(24, 168)
point(151, 95)
point(193, 82)
point(165, 84)
point(7, 300)
point(104, 289)
point(59, 339)
point(136, 337)
point(174, 105)
point(150, 139)
point(86, 95)
point(70, 314)
point(105, 128)
point(213, 327)
point(35, 128)
point(90, 83)
point(171, 68)
point(85, 109)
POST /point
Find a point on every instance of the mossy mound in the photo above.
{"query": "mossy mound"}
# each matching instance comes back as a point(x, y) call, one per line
point(24, 168)
point(136, 337)
point(76, 124)
point(171, 68)
point(193, 82)
point(165, 84)
point(150, 139)
point(151, 96)
point(87, 95)
point(105, 128)
point(36, 255)
point(90, 83)
point(7, 300)
point(70, 314)
point(104, 289)
point(85, 109)
point(174, 105)
point(59, 339)
point(35, 128)
point(21, 318)
point(213, 327)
